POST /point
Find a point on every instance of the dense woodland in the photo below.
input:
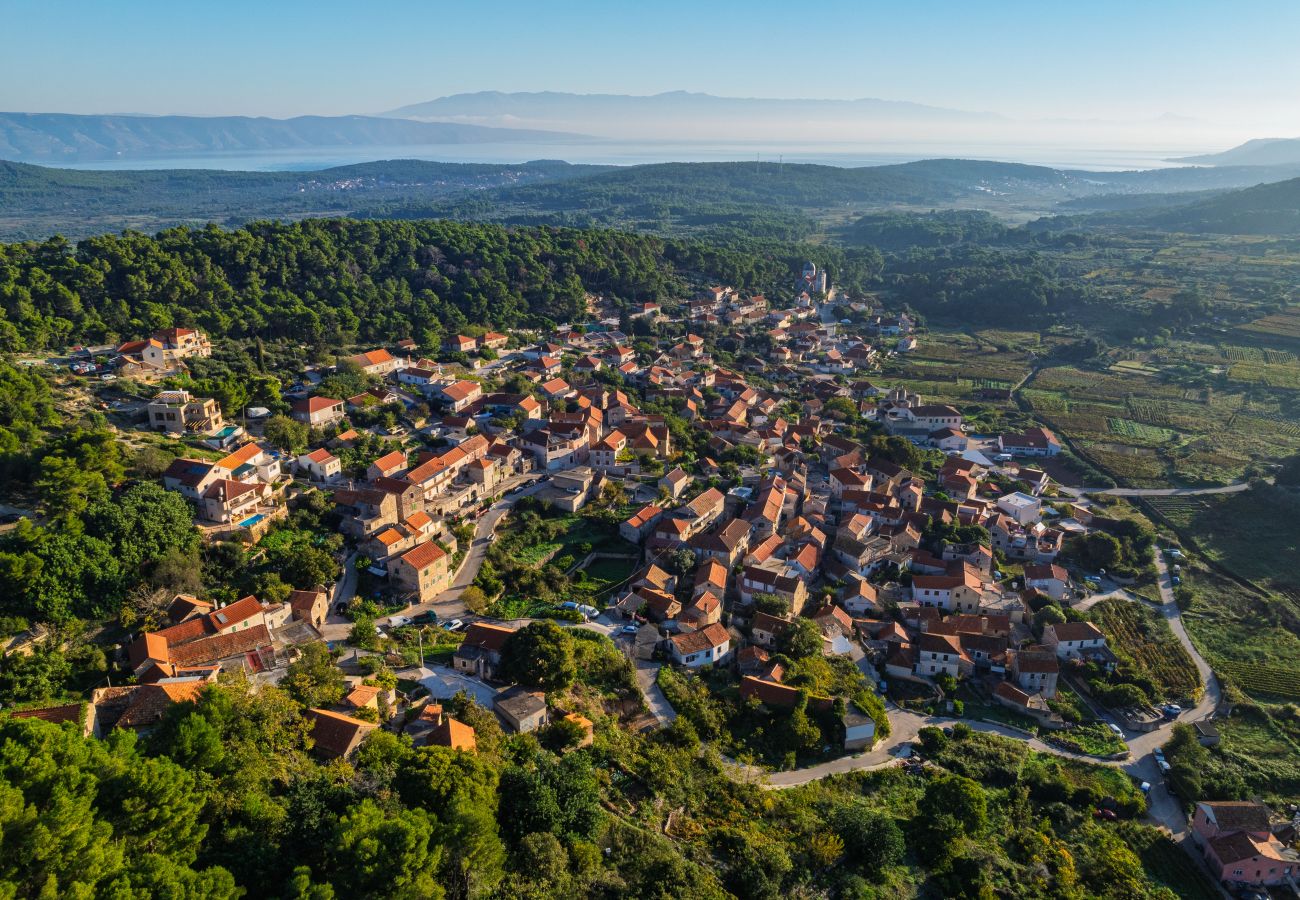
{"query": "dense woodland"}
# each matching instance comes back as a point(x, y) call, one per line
point(335, 282)
point(225, 799)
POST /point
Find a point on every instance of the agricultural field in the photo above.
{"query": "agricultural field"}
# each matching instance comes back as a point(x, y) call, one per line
point(1180, 427)
point(1260, 745)
point(1254, 533)
point(1260, 680)
point(1142, 638)
point(1234, 627)
point(1138, 432)
point(1283, 326)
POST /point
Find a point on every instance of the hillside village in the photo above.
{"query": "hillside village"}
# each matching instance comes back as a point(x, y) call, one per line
point(787, 537)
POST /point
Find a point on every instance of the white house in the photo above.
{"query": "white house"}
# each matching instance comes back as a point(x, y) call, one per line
point(1074, 639)
point(1025, 509)
point(711, 644)
point(320, 465)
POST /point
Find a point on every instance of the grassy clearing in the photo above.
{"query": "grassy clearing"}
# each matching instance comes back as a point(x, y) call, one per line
point(1231, 624)
point(1094, 739)
point(1254, 533)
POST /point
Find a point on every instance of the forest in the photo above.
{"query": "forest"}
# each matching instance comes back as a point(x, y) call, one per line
point(225, 798)
point(337, 282)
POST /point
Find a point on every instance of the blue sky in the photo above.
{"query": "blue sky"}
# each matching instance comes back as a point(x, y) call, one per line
point(1219, 61)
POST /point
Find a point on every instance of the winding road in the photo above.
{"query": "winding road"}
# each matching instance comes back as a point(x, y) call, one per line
point(1162, 807)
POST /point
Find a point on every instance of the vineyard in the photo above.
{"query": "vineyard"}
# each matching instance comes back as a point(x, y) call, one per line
point(1135, 632)
point(1253, 678)
point(1181, 511)
point(1147, 434)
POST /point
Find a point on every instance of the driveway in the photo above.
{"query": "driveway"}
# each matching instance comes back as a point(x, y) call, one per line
point(646, 677)
point(337, 627)
point(443, 682)
point(448, 604)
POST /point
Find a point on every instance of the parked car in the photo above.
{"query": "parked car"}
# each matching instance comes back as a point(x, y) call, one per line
point(398, 621)
point(1171, 710)
point(455, 625)
point(1108, 814)
point(629, 629)
point(428, 617)
point(1119, 732)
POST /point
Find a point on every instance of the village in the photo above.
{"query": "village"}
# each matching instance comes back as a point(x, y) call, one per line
point(784, 532)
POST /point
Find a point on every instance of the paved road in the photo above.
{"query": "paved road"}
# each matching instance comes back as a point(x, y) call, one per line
point(448, 604)
point(646, 673)
point(337, 627)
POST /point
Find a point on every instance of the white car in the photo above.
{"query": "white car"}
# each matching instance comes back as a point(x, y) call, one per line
point(455, 625)
point(398, 621)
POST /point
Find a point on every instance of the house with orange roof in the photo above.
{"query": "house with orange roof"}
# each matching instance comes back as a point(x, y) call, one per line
point(321, 466)
point(424, 571)
point(556, 389)
point(228, 502)
point(458, 395)
point(494, 340)
point(336, 735)
point(251, 462)
point(309, 606)
point(459, 343)
point(317, 411)
point(941, 654)
point(639, 524)
point(377, 362)
point(480, 652)
point(387, 466)
point(606, 452)
point(708, 646)
point(452, 734)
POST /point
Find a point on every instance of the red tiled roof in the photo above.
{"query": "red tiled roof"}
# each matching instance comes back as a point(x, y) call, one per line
point(424, 555)
point(315, 404)
point(220, 646)
point(334, 733)
point(486, 636)
point(707, 638)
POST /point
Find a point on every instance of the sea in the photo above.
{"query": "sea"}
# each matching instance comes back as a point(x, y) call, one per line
point(627, 153)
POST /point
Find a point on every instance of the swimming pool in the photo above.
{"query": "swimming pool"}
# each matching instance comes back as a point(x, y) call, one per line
point(252, 520)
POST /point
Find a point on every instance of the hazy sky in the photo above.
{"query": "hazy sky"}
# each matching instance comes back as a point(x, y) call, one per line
point(1232, 63)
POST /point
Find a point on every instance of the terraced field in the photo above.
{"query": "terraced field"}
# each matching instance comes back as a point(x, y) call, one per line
point(1257, 679)
point(1134, 631)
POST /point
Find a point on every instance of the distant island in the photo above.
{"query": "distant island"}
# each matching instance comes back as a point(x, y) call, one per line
point(63, 138)
point(1259, 152)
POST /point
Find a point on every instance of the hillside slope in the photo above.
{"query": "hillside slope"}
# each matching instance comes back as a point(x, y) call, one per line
point(36, 201)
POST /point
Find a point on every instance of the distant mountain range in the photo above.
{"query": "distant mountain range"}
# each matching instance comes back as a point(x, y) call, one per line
point(62, 138)
point(1259, 152)
point(681, 114)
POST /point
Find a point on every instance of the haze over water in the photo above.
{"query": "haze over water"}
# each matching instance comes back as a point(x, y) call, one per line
point(612, 152)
